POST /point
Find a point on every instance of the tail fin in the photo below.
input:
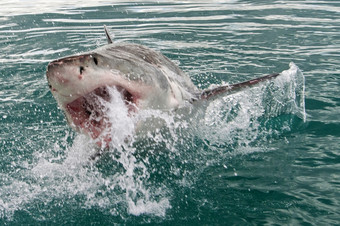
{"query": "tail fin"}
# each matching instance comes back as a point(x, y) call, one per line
point(210, 93)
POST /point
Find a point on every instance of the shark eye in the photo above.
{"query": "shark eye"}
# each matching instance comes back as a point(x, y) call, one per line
point(95, 60)
point(81, 69)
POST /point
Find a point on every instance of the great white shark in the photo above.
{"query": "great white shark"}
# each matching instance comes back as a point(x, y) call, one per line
point(145, 78)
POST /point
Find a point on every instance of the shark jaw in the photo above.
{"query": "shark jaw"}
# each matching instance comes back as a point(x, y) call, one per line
point(89, 113)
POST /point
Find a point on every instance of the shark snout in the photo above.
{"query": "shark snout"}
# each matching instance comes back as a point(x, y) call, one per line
point(80, 62)
point(68, 61)
point(73, 75)
point(70, 66)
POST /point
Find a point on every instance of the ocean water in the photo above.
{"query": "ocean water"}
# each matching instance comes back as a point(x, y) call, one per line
point(267, 155)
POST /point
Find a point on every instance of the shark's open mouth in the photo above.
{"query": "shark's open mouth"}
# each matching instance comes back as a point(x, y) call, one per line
point(89, 114)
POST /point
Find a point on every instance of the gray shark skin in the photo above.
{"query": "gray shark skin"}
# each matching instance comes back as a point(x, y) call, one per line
point(145, 78)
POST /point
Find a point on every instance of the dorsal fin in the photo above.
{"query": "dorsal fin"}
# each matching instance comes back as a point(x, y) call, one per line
point(211, 93)
point(108, 37)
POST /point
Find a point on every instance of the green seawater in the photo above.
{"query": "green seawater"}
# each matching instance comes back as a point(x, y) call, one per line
point(268, 155)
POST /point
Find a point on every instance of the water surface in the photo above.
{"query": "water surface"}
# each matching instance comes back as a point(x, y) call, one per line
point(246, 158)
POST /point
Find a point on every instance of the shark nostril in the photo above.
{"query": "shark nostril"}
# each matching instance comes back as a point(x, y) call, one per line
point(81, 69)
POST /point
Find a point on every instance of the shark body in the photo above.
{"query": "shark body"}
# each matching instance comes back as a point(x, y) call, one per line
point(145, 78)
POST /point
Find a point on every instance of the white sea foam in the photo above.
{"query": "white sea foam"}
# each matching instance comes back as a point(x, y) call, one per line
point(74, 176)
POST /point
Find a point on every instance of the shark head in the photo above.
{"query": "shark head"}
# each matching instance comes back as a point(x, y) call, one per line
point(144, 78)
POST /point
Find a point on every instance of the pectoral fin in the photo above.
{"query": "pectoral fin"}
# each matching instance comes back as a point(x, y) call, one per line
point(211, 93)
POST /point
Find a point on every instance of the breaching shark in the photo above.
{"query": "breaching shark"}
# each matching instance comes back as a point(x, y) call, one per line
point(145, 78)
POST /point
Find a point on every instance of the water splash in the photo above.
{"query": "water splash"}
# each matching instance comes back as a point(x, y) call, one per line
point(292, 95)
point(138, 175)
point(244, 118)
